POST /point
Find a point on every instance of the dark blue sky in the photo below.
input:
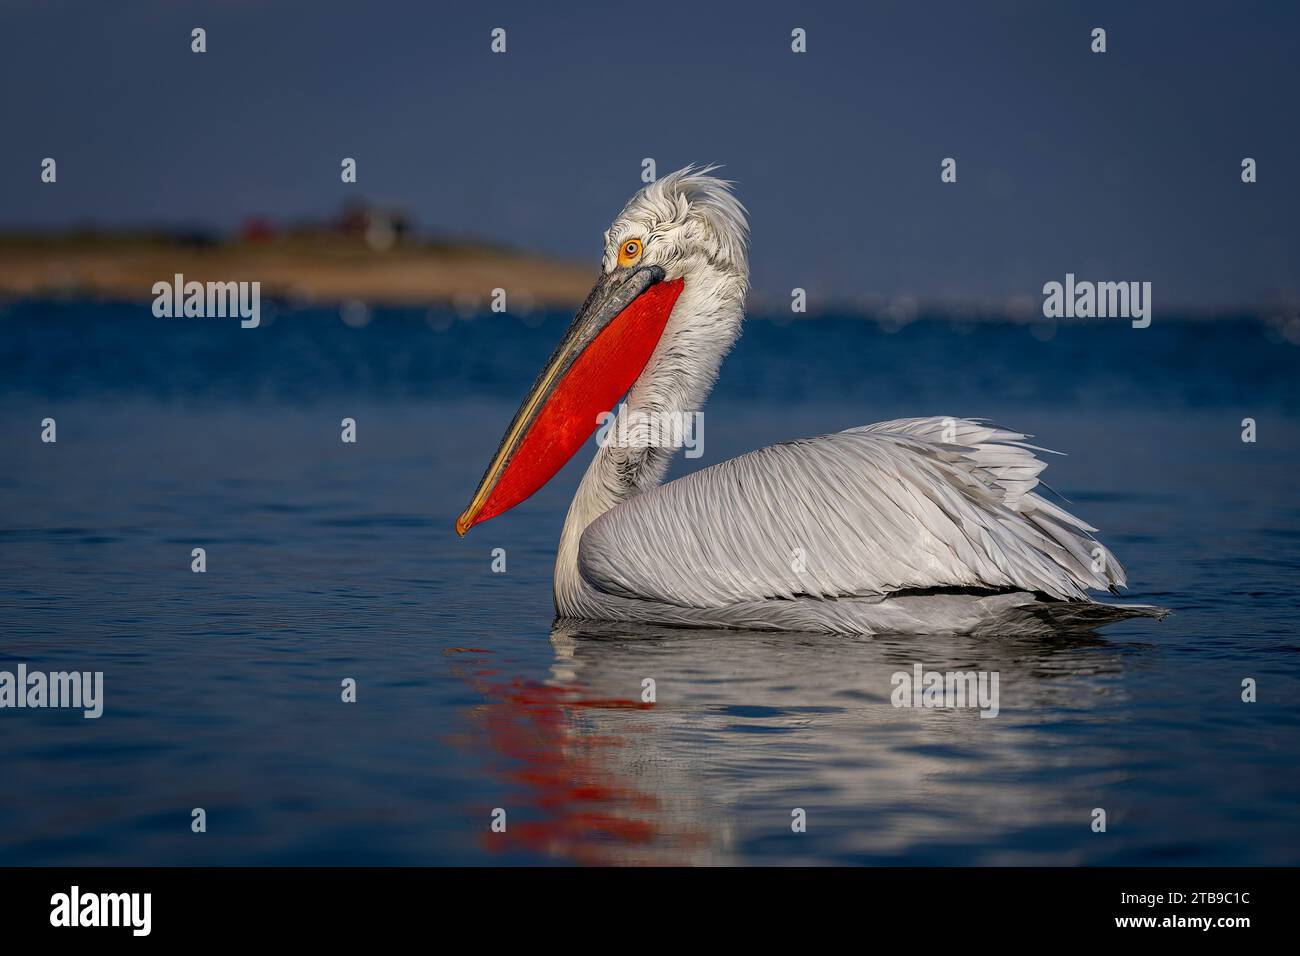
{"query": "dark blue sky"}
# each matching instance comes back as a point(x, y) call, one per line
point(1122, 166)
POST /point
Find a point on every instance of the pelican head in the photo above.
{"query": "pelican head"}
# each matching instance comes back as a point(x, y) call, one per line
point(674, 274)
point(688, 223)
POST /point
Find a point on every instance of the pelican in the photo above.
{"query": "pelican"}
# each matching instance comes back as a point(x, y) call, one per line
point(922, 525)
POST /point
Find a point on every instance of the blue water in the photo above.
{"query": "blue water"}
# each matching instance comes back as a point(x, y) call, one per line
point(328, 561)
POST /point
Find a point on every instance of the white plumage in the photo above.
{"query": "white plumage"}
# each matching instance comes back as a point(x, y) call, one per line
point(870, 511)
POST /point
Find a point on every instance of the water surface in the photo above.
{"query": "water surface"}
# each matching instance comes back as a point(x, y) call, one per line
point(328, 561)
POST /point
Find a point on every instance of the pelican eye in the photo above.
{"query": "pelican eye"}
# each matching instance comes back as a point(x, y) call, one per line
point(629, 252)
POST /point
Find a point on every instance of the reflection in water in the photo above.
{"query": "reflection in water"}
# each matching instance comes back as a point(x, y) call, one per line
point(568, 800)
point(747, 726)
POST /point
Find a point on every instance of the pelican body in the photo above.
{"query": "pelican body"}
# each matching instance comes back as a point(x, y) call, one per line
point(914, 526)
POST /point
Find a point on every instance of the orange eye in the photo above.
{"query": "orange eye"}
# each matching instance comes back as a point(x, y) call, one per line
point(630, 252)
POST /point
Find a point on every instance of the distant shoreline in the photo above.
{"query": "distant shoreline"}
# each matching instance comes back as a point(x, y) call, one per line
point(328, 270)
point(310, 270)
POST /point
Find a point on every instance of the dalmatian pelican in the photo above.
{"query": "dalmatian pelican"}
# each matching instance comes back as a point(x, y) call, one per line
point(920, 525)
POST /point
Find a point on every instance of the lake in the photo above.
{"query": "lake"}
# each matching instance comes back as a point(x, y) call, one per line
point(327, 561)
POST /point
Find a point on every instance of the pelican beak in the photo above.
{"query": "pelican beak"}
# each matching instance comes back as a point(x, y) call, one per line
point(604, 350)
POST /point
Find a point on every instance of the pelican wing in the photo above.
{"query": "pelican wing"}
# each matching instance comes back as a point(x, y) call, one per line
point(913, 504)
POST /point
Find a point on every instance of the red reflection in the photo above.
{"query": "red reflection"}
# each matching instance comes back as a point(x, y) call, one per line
point(577, 802)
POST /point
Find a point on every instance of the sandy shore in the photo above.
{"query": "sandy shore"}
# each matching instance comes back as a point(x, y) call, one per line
point(322, 270)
